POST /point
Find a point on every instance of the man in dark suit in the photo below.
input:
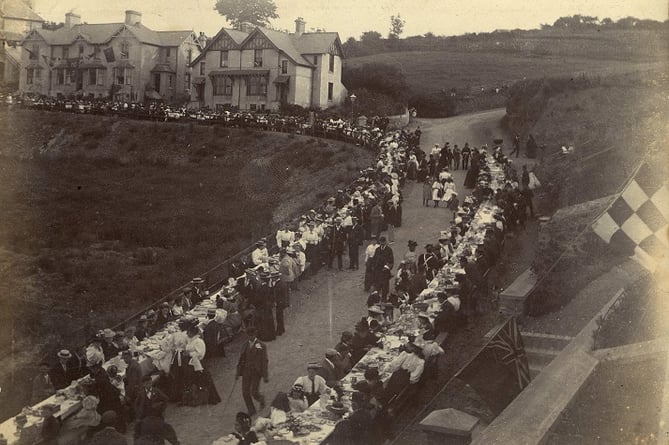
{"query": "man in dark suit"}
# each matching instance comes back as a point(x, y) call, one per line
point(212, 336)
point(133, 377)
point(336, 240)
point(356, 236)
point(327, 368)
point(67, 370)
point(383, 262)
point(251, 368)
point(150, 401)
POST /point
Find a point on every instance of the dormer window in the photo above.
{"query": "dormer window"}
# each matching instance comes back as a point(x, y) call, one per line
point(168, 53)
point(224, 59)
point(125, 50)
point(257, 58)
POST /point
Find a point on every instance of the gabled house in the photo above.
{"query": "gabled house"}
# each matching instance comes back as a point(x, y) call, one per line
point(126, 61)
point(258, 69)
point(17, 19)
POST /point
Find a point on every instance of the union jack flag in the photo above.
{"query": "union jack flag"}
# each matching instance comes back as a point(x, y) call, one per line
point(507, 345)
point(499, 372)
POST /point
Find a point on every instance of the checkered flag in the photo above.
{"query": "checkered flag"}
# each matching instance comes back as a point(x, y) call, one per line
point(636, 222)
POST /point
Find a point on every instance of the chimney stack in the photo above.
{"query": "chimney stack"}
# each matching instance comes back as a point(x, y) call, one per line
point(245, 27)
point(72, 19)
point(133, 18)
point(299, 26)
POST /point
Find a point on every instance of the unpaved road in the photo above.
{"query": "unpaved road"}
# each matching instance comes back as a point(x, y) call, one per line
point(331, 301)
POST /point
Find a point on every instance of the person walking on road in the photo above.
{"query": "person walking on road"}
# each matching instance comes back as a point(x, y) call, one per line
point(251, 368)
point(516, 146)
point(356, 235)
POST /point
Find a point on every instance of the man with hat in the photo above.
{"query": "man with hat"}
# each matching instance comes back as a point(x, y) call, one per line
point(211, 334)
point(314, 385)
point(336, 240)
point(356, 235)
point(108, 347)
point(330, 208)
point(327, 368)
point(66, 371)
point(260, 254)
point(252, 366)
point(383, 263)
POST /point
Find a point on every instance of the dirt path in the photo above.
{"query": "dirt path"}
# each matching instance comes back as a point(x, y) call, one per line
point(331, 301)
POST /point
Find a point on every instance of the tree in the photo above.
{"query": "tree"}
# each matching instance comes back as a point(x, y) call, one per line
point(396, 26)
point(256, 12)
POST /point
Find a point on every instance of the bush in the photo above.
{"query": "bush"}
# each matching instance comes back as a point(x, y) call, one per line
point(434, 105)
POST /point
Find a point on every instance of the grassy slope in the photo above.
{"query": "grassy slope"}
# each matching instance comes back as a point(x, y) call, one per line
point(499, 60)
point(113, 214)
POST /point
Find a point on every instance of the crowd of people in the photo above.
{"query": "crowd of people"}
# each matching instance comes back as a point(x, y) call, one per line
point(332, 128)
point(260, 288)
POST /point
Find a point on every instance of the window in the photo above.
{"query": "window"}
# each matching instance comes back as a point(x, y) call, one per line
point(170, 81)
point(66, 52)
point(253, 107)
point(224, 58)
point(315, 60)
point(33, 75)
point(330, 90)
point(187, 81)
point(60, 77)
point(68, 76)
point(92, 76)
point(81, 50)
point(189, 56)
point(284, 67)
point(101, 76)
point(222, 86)
point(34, 53)
point(96, 51)
point(125, 50)
point(257, 57)
point(262, 107)
point(156, 82)
point(168, 52)
point(332, 60)
point(122, 76)
point(202, 68)
point(256, 86)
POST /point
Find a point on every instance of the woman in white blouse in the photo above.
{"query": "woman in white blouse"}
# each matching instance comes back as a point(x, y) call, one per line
point(197, 374)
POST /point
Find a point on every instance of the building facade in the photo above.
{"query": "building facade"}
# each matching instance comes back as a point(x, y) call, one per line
point(259, 69)
point(123, 61)
point(17, 19)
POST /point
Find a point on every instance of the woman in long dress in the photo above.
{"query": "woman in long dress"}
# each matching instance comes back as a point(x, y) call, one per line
point(437, 189)
point(197, 374)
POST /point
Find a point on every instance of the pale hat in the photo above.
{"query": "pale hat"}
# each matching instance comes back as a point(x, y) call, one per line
point(375, 310)
point(64, 353)
point(108, 333)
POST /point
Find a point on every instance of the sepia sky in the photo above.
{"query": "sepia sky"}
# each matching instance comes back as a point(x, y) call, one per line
point(353, 17)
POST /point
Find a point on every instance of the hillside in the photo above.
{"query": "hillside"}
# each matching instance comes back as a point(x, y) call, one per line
point(479, 69)
point(112, 214)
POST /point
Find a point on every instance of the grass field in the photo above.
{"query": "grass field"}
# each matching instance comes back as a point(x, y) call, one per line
point(433, 71)
point(108, 214)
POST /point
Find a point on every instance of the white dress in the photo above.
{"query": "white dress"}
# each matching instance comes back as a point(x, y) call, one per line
point(436, 188)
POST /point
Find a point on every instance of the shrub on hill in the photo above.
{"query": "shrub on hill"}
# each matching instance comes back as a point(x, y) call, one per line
point(434, 105)
point(381, 89)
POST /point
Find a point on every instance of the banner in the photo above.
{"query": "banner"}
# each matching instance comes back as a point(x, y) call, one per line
point(499, 372)
point(636, 222)
point(109, 55)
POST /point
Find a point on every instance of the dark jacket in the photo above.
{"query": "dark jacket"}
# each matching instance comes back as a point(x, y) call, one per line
point(62, 377)
point(133, 380)
point(328, 371)
point(253, 360)
point(108, 436)
point(356, 235)
point(383, 257)
point(145, 407)
point(156, 430)
point(211, 336)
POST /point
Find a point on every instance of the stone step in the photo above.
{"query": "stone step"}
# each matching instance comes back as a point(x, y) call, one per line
point(540, 357)
point(539, 340)
point(535, 369)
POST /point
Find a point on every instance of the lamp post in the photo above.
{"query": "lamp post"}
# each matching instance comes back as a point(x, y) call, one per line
point(353, 97)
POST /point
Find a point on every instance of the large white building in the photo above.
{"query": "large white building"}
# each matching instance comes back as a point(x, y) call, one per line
point(258, 69)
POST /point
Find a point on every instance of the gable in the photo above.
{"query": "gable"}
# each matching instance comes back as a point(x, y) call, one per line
point(258, 41)
point(223, 43)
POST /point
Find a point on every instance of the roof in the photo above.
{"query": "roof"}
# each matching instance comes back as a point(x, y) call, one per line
point(314, 42)
point(290, 44)
point(11, 36)
point(18, 9)
point(100, 33)
point(163, 68)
